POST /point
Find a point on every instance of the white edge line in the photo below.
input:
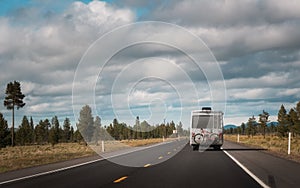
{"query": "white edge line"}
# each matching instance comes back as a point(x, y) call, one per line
point(259, 181)
point(78, 165)
point(49, 172)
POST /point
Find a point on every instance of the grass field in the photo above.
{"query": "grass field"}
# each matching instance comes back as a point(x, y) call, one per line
point(125, 144)
point(274, 144)
point(134, 143)
point(18, 157)
point(13, 158)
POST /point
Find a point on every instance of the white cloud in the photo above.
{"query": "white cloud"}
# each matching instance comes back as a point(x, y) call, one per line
point(98, 14)
point(44, 55)
point(290, 92)
point(257, 42)
point(232, 42)
point(264, 82)
point(227, 13)
point(250, 94)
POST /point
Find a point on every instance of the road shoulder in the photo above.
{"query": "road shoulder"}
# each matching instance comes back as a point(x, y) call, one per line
point(30, 171)
point(272, 170)
point(64, 165)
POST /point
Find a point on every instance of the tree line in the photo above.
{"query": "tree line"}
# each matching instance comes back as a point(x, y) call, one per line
point(89, 130)
point(47, 131)
point(44, 132)
point(93, 131)
point(287, 122)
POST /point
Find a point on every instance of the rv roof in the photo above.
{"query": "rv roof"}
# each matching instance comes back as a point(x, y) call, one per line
point(198, 112)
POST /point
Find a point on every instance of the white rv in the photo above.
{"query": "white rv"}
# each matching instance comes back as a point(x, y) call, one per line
point(206, 128)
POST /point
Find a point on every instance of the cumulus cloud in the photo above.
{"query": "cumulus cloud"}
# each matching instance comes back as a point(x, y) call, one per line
point(227, 13)
point(98, 14)
point(43, 55)
point(256, 43)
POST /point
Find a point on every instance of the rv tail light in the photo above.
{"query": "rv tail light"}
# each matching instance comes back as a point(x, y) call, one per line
point(220, 135)
point(193, 134)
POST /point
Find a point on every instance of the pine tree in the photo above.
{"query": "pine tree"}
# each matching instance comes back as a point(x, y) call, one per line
point(172, 127)
point(116, 130)
point(296, 119)
point(32, 139)
point(145, 128)
point(251, 129)
point(238, 130)
point(283, 121)
point(42, 131)
point(97, 130)
point(273, 128)
point(23, 135)
point(14, 98)
point(263, 119)
point(129, 133)
point(243, 127)
point(293, 119)
point(39, 132)
point(297, 109)
point(137, 128)
point(4, 132)
point(47, 126)
point(124, 131)
point(52, 136)
point(54, 133)
point(78, 137)
point(109, 130)
point(85, 125)
point(67, 130)
point(180, 129)
point(72, 134)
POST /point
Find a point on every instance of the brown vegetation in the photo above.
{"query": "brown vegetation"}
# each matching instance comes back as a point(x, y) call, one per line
point(18, 157)
point(13, 158)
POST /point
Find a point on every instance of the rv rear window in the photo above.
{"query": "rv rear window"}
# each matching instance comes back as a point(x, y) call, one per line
point(206, 121)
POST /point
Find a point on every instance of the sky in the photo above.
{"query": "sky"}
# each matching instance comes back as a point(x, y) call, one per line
point(250, 58)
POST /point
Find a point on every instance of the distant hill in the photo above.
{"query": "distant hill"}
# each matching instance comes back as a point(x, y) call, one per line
point(275, 123)
point(228, 126)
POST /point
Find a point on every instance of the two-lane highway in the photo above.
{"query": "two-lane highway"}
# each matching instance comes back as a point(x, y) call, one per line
point(167, 165)
point(191, 169)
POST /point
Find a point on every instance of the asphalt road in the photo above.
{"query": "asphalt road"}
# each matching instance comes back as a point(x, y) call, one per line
point(273, 171)
point(168, 165)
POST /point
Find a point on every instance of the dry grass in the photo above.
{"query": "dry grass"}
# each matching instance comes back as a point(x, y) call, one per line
point(134, 143)
point(274, 144)
point(124, 144)
point(18, 157)
point(13, 158)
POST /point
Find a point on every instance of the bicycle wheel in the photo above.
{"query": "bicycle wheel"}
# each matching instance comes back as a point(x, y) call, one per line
point(199, 138)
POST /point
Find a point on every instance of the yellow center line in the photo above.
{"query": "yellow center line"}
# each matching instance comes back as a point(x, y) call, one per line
point(120, 179)
point(169, 153)
point(160, 157)
point(147, 165)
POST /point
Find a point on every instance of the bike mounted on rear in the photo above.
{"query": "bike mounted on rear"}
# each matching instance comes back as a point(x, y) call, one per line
point(206, 128)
